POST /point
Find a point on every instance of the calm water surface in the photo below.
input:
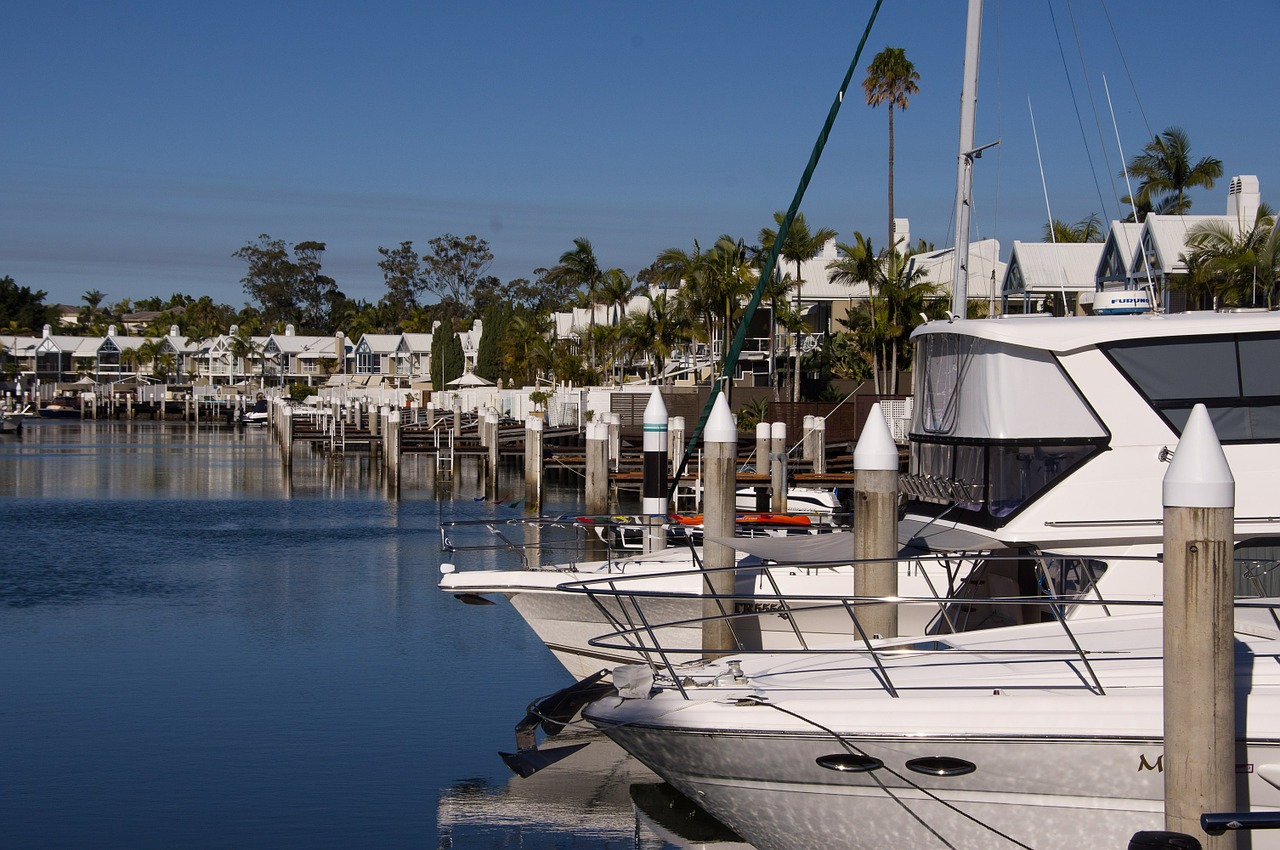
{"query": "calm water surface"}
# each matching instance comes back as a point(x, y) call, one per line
point(199, 650)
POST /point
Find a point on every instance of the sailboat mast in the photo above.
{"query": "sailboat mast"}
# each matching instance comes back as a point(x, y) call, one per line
point(964, 179)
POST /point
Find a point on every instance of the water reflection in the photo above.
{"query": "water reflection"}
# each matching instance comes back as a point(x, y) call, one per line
point(201, 650)
point(598, 795)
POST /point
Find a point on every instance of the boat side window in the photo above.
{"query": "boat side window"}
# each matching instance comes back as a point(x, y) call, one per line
point(1233, 376)
point(1018, 473)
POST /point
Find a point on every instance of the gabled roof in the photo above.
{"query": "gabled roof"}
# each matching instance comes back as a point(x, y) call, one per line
point(1166, 238)
point(379, 343)
point(1117, 253)
point(418, 343)
point(1047, 267)
point(292, 344)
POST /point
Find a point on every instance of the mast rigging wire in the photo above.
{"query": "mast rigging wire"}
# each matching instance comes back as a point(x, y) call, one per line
point(766, 273)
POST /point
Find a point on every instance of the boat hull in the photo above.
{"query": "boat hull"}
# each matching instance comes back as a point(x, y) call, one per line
point(1075, 794)
point(569, 622)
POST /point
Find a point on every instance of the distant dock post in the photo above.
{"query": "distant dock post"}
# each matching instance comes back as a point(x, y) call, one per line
point(720, 439)
point(675, 441)
point(778, 466)
point(875, 523)
point(491, 421)
point(820, 445)
point(533, 460)
point(597, 462)
point(1199, 633)
point(763, 464)
point(654, 479)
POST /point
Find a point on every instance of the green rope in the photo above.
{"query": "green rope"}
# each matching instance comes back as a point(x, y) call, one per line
point(740, 338)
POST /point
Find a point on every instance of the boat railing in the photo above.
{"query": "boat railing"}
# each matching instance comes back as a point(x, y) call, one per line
point(571, 540)
point(633, 606)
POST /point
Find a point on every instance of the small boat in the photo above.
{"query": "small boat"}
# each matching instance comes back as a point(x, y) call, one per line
point(62, 407)
point(10, 423)
point(255, 414)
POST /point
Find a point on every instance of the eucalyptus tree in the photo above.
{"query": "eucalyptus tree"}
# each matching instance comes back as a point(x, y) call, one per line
point(580, 269)
point(21, 306)
point(800, 246)
point(891, 79)
point(454, 268)
point(1165, 172)
point(403, 276)
point(290, 290)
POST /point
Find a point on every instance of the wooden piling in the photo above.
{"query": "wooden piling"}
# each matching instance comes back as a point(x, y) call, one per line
point(720, 440)
point(875, 523)
point(597, 462)
point(1199, 634)
point(533, 462)
point(778, 466)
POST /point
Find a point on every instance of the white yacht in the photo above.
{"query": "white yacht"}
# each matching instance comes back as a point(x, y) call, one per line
point(1026, 736)
point(1030, 435)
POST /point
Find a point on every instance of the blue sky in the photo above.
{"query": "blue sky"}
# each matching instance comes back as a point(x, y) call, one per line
point(146, 141)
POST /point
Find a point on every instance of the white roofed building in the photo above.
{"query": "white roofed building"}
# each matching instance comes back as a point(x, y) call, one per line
point(1061, 276)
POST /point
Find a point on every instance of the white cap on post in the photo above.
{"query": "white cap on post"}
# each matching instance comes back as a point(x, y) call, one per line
point(876, 449)
point(720, 427)
point(1199, 475)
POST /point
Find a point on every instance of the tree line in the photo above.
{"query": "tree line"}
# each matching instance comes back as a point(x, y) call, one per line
point(698, 293)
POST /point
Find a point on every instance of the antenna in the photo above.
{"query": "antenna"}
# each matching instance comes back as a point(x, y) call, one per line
point(1142, 246)
point(1053, 237)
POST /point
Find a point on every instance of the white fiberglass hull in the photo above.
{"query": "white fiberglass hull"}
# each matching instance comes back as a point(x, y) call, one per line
point(1057, 765)
point(568, 621)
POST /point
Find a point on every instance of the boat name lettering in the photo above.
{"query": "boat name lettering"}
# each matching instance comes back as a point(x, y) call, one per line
point(1143, 764)
point(760, 608)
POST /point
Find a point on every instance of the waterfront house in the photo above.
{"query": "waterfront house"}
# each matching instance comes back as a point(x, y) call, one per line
point(1060, 276)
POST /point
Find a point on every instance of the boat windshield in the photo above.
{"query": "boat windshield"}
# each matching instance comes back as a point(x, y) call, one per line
point(994, 426)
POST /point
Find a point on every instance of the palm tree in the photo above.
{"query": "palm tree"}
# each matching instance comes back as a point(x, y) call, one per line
point(616, 289)
point(241, 347)
point(799, 247)
point(1226, 268)
point(897, 296)
point(1087, 229)
point(1165, 172)
point(891, 79)
point(580, 268)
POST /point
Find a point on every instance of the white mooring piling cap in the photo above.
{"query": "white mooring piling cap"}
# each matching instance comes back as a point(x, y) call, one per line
point(876, 450)
point(655, 412)
point(1199, 475)
point(720, 427)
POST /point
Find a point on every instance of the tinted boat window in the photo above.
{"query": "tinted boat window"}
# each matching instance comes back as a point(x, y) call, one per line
point(1179, 370)
point(1235, 377)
